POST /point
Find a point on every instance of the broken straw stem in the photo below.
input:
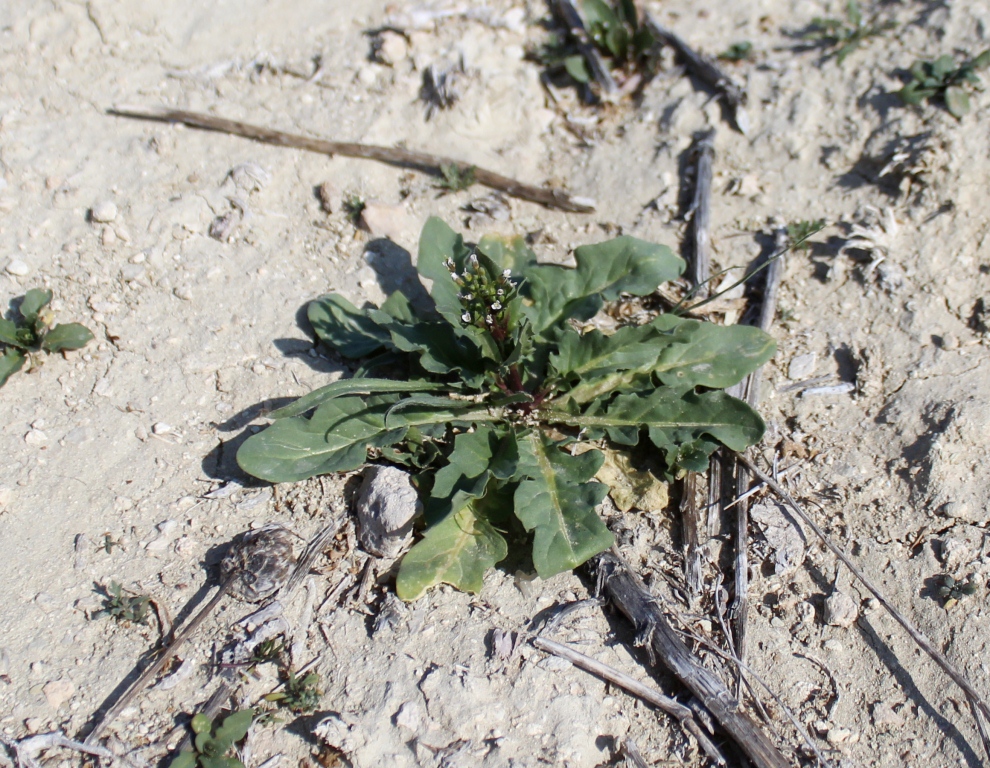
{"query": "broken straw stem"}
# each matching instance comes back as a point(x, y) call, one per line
point(403, 158)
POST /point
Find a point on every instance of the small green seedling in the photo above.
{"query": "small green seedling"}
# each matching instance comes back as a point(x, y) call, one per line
point(25, 339)
point(953, 591)
point(500, 398)
point(942, 79)
point(212, 744)
point(122, 607)
point(617, 31)
point(844, 37)
point(353, 208)
point(455, 179)
point(300, 695)
point(268, 652)
point(741, 51)
point(798, 232)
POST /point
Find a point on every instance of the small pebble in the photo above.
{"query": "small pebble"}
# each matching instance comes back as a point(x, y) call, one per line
point(183, 292)
point(104, 212)
point(802, 366)
point(161, 428)
point(35, 437)
point(141, 434)
point(390, 48)
point(18, 268)
point(109, 237)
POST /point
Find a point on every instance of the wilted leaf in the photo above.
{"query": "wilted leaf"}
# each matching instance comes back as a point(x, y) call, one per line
point(457, 550)
point(557, 502)
point(956, 101)
point(345, 328)
point(630, 487)
point(66, 336)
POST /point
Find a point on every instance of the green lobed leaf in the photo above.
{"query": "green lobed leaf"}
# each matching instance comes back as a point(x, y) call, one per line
point(441, 349)
point(485, 449)
point(34, 301)
point(675, 417)
point(66, 336)
point(344, 327)
point(603, 272)
point(235, 727)
point(709, 355)
point(355, 386)
point(557, 502)
point(185, 759)
point(338, 436)
point(11, 361)
point(457, 550)
point(8, 333)
point(590, 355)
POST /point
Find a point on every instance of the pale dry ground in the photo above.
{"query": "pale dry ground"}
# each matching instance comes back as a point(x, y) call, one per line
point(192, 332)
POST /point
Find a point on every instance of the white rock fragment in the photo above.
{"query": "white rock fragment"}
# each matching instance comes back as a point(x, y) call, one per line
point(18, 268)
point(802, 366)
point(57, 692)
point(161, 428)
point(885, 717)
point(786, 540)
point(386, 507)
point(841, 610)
point(104, 212)
point(390, 48)
point(410, 716)
point(108, 237)
point(35, 437)
point(391, 221)
point(184, 672)
point(343, 736)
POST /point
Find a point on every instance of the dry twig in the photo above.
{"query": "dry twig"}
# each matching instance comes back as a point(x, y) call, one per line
point(403, 158)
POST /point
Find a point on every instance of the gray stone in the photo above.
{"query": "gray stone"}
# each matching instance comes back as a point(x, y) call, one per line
point(386, 508)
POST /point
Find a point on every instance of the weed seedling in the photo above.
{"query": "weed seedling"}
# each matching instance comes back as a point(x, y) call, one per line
point(353, 208)
point(454, 179)
point(122, 607)
point(300, 695)
point(798, 232)
point(844, 37)
point(212, 744)
point(741, 51)
point(25, 339)
point(953, 591)
point(941, 79)
point(496, 389)
point(616, 30)
point(268, 652)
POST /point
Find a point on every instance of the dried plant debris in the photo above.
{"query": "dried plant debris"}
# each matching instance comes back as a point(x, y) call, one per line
point(491, 207)
point(441, 86)
point(263, 559)
point(843, 36)
point(874, 233)
point(943, 81)
point(905, 163)
point(32, 336)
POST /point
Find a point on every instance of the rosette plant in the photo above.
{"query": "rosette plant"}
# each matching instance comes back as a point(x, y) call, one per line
point(486, 394)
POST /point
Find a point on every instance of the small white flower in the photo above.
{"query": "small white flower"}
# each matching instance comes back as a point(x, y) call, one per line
point(454, 276)
point(496, 306)
point(506, 272)
point(500, 292)
point(474, 260)
point(468, 297)
point(466, 317)
point(448, 263)
point(489, 319)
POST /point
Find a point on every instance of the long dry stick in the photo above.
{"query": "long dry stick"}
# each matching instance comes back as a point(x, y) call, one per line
point(404, 158)
point(673, 708)
point(749, 390)
point(167, 653)
point(701, 209)
point(708, 71)
point(629, 594)
point(976, 700)
point(692, 540)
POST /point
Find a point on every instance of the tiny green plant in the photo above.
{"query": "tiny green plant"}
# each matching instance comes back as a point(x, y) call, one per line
point(844, 37)
point(798, 232)
point(213, 743)
point(267, 652)
point(123, 607)
point(299, 694)
point(741, 51)
point(941, 79)
point(24, 340)
point(492, 389)
point(456, 179)
point(353, 207)
point(617, 31)
point(953, 591)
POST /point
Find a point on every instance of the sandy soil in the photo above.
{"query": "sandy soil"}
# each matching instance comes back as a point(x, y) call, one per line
point(109, 454)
